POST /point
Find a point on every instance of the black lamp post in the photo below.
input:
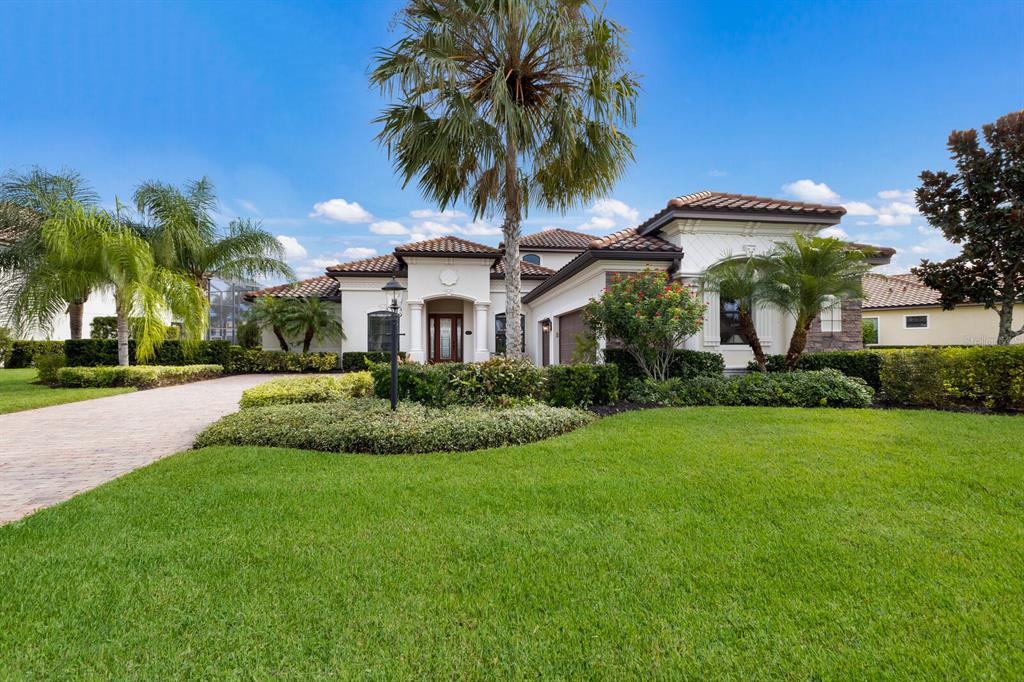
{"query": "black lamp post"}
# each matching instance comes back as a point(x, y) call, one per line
point(393, 292)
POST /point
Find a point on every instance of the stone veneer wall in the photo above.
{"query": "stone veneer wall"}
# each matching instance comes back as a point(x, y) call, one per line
point(850, 338)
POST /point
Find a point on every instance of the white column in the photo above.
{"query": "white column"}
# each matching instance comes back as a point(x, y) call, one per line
point(764, 317)
point(416, 352)
point(480, 332)
point(711, 320)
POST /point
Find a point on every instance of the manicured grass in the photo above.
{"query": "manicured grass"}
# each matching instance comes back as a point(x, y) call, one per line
point(695, 543)
point(19, 392)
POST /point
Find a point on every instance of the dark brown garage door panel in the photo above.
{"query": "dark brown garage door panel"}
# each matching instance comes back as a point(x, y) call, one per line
point(570, 326)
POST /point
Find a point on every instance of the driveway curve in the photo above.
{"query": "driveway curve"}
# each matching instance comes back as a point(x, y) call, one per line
point(50, 454)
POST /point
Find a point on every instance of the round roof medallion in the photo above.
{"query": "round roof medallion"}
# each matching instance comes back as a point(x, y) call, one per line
point(448, 277)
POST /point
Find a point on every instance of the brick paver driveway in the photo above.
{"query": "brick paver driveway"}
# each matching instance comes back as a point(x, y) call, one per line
point(52, 453)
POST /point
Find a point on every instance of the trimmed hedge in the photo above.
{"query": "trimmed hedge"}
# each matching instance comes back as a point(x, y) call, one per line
point(105, 327)
point(313, 389)
point(864, 364)
point(979, 376)
point(685, 364)
point(369, 426)
point(581, 385)
point(103, 353)
point(360, 361)
point(498, 381)
point(23, 353)
point(138, 376)
point(821, 388)
point(426, 384)
point(48, 364)
point(256, 361)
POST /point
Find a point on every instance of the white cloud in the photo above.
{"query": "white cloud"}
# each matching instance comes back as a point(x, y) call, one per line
point(859, 208)
point(597, 224)
point(904, 195)
point(479, 228)
point(613, 208)
point(388, 227)
point(314, 267)
point(433, 227)
point(809, 190)
point(293, 250)
point(341, 211)
point(356, 252)
point(249, 206)
point(426, 213)
point(835, 232)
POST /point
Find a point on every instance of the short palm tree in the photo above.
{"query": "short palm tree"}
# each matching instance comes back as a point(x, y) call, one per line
point(27, 200)
point(311, 318)
point(807, 275)
point(87, 244)
point(742, 280)
point(504, 103)
point(180, 225)
point(268, 312)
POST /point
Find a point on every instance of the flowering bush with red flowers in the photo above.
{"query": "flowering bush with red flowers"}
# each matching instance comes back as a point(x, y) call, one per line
point(649, 315)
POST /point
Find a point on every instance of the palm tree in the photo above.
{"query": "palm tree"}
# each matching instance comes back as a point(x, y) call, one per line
point(742, 281)
point(267, 311)
point(805, 276)
point(504, 103)
point(89, 245)
point(311, 319)
point(27, 200)
point(180, 225)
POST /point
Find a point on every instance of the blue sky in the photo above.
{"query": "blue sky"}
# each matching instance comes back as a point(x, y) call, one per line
point(833, 101)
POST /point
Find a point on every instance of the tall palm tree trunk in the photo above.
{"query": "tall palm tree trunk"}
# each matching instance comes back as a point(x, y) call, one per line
point(76, 314)
point(307, 340)
point(280, 338)
point(797, 343)
point(749, 333)
point(513, 266)
point(122, 331)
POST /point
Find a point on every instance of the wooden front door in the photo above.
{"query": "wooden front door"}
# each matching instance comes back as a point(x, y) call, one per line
point(444, 337)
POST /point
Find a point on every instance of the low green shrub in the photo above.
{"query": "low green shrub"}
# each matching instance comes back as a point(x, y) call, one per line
point(358, 361)
point(581, 385)
point(313, 389)
point(48, 364)
point(427, 384)
point(369, 426)
point(103, 353)
point(685, 364)
point(816, 388)
point(255, 361)
point(6, 343)
point(978, 376)
point(498, 381)
point(865, 364)
point(23, 353)
point(138, 376)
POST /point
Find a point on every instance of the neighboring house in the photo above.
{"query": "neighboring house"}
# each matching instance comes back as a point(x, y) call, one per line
point(899, 310)
point(454, 309)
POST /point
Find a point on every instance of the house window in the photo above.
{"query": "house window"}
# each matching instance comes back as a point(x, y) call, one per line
point(729, 323)
point(378, 331)
point(915, 321)
point(832, 316)
point(870, 331)
point(532, 258)
point(499, 333)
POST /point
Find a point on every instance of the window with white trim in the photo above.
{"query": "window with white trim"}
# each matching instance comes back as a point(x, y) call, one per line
point(832, 316)
point(378, 331)
point(532, 258)
point(915, 321)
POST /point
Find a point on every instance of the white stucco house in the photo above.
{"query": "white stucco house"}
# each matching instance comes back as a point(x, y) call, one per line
point(455, 299)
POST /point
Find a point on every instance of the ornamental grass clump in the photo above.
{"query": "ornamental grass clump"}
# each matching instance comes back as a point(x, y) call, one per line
point(369, 426)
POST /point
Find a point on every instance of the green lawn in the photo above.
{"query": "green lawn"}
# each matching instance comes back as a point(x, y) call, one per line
point(19, 392)
point(698, 543)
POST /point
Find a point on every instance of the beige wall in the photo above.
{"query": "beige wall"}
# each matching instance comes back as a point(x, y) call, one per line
point(965, 325)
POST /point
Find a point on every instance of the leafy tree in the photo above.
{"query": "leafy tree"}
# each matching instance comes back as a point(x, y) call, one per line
point(87, 244)
point(649, 315)
point(27, 200)
point(743, 281)
point(310, 318)
point(504, 103)
point(268, 311)
point(806, 276)
point(980, 207)
point(181, 227)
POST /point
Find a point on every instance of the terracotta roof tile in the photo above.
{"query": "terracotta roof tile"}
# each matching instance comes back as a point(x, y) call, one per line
point(557, 238)
point(529, 270)
point(446, 245)
point(631, 240)
point(386, 264)
point(744, 204)
point(896, 291)
point(317, 286)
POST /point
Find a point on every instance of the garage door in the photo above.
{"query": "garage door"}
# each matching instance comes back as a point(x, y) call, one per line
point(569, 327)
